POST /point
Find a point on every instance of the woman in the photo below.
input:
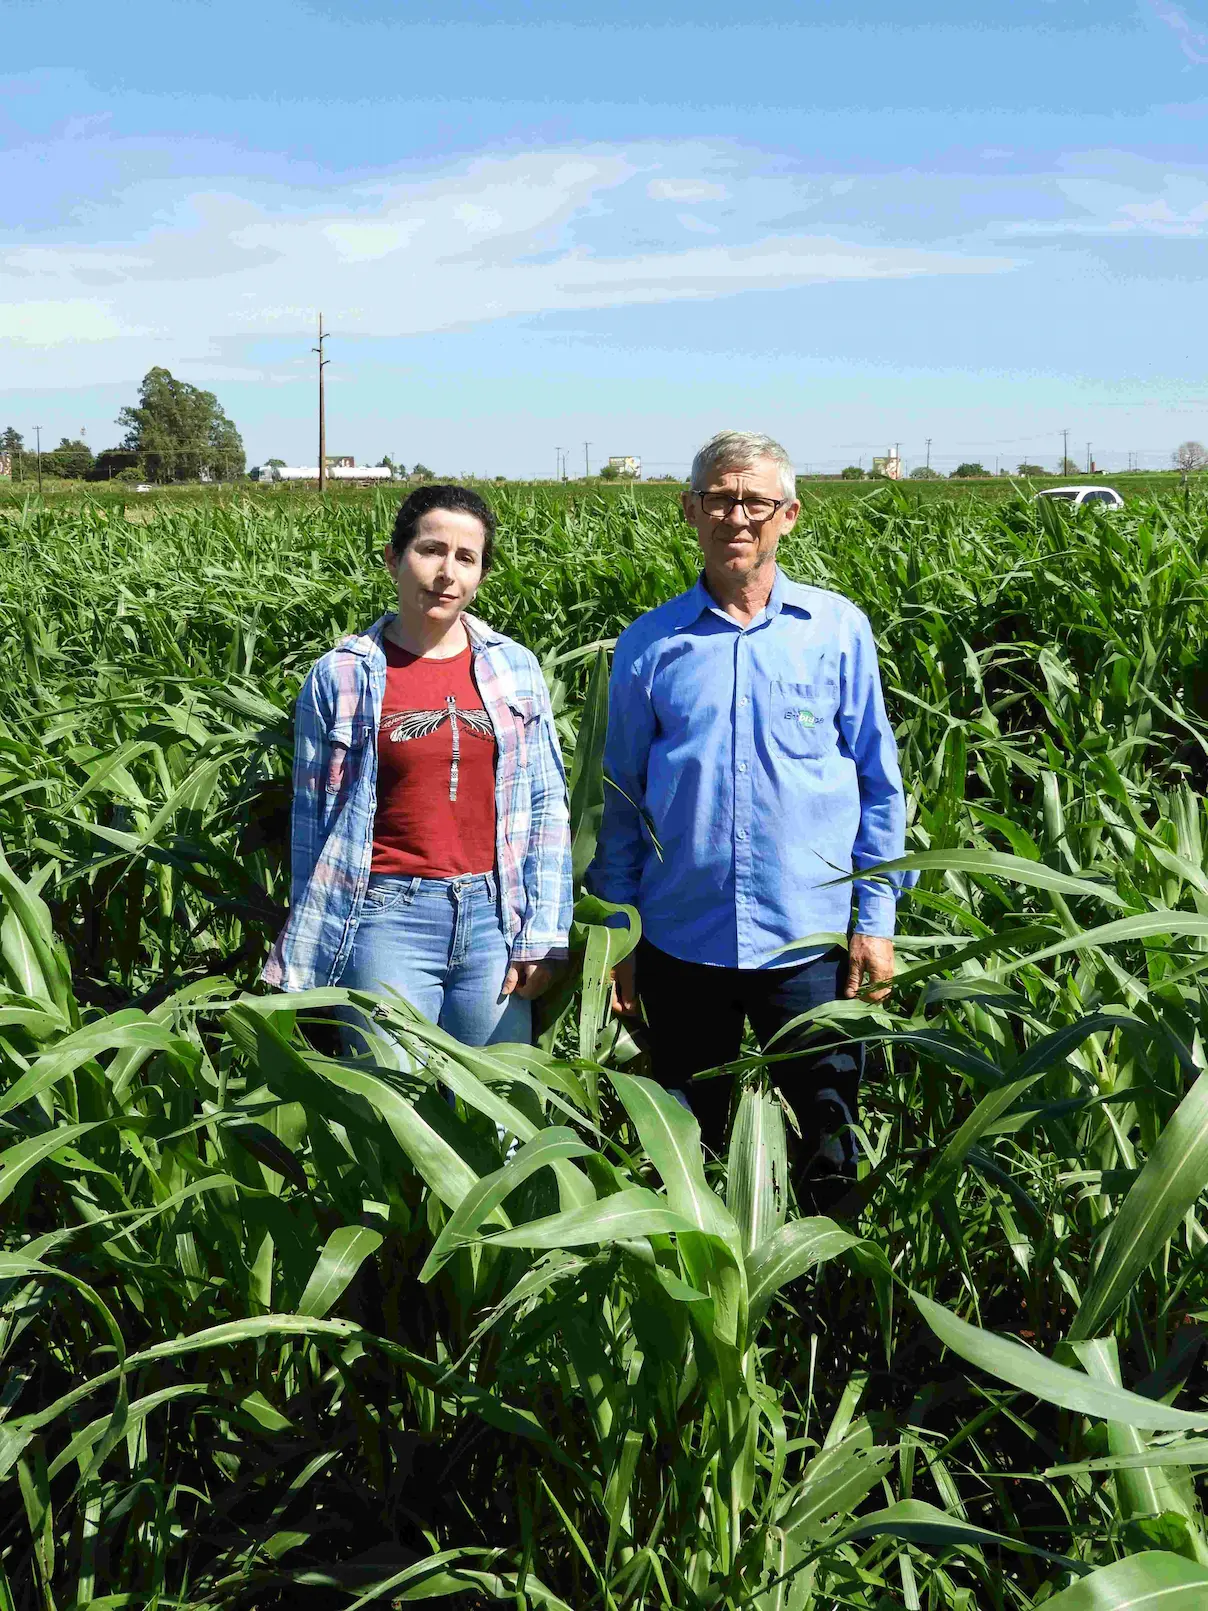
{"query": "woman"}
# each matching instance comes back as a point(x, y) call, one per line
point(430, 834)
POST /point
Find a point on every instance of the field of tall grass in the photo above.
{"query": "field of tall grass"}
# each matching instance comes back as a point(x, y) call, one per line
point(279, 1328)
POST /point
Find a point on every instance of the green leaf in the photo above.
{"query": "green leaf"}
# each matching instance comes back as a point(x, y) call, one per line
point(29, 945)
point(790, 1252)
point(480, 1203)
point(671, 1137)
point(992, 864)
point(1142, 1491)
point(920, 1523)
point(1034, 1064)
point(16, 1162)
point(1153, 1581)
point(1046, 1379)
point(1174, 1175)
point(757, 1168)
point(626, 1214)
point(345, 1250)
point(837, 1479)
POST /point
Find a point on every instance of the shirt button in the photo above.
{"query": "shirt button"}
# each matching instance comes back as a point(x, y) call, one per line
point(742, 766)
point(744, 701)
point(742, 833)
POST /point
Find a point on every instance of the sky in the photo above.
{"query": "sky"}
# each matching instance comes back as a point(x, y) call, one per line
point(534, 226)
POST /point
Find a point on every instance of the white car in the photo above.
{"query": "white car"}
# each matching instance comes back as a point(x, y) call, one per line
point(1105, 497)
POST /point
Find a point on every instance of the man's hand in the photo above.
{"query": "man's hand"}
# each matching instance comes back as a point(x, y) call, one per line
point(529, 980)
point(625, 989)
point(872, 955)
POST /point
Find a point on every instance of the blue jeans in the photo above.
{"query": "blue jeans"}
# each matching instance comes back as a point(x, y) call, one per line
point(440, 943)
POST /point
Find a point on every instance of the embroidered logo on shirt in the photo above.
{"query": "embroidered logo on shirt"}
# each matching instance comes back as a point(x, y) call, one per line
point(407, 724)
point(803, 718)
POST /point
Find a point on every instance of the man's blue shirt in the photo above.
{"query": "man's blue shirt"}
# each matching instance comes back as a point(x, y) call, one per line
point(747, 768)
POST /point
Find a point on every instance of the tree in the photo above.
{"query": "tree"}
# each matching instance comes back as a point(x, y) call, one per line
point(1032, 469)
point(852, 473)
point(71, 461)
point(421, 472)
point(111, 463)
point(275, 464)
point(924, 472)
point(610, 472)
point(1067, 467)
point(180, 432)
point(1189, 457)
point(963, 470)
point(11, 440)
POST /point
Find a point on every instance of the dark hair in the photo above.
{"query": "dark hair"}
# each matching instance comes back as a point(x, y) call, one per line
point(458, 500)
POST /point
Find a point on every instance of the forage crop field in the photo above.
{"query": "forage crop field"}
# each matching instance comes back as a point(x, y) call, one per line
point(279, 1328)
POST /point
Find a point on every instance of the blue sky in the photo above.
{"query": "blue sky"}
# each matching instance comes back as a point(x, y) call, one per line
point(530, 226)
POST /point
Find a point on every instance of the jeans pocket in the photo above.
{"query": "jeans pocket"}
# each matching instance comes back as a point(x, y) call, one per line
point(385, 895)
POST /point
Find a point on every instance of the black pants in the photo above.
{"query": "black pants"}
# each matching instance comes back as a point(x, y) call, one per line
point(695, 1016)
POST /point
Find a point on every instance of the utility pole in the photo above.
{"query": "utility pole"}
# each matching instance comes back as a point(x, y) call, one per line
point(323, 362)
point(586, 462)
point(929, 453)
point(1088, 458)
point(38, 434)
point(1065, 450)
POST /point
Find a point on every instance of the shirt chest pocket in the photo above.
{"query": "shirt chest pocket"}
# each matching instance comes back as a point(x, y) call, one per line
point(347, 742)
point(519, 715)
point(803, 719)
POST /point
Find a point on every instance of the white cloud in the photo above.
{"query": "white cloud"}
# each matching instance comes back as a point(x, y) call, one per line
point(1193, 40)
point(692, 190)
point(1144, 201)
point(44, 322)
point(496, 238)
point(697, 226)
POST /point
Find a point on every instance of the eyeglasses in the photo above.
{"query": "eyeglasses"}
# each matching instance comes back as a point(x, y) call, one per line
point(720, 505)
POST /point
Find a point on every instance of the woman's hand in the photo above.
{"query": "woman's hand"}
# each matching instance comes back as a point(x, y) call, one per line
point(529, 979)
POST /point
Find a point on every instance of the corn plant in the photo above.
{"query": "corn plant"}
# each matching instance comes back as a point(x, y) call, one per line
point(280, 1326)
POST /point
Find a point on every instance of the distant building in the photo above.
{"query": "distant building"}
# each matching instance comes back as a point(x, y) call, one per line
point(341, 469)
point(626, 464)
point(890, 467)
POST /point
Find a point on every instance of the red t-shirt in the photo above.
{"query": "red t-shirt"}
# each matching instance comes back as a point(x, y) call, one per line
point(436, 770)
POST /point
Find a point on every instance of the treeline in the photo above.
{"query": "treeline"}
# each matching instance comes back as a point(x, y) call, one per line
point(176, 432)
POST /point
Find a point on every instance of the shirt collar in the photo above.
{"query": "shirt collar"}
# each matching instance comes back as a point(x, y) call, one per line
point(785, 594)
point(367, 644)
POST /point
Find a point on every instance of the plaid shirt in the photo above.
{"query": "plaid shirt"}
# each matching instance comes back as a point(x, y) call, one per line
point(335, 797)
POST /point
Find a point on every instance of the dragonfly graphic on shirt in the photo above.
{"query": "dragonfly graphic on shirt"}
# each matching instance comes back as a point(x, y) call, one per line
point(407, 724)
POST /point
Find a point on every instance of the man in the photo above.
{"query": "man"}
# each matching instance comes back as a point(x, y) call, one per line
point(750, 764)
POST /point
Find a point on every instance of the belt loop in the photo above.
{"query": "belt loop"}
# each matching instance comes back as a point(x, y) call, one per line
point(411, 890)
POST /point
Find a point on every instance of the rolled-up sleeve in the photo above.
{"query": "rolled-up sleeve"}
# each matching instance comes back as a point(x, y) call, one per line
point(865, 727)
point(623, 846)
point(312, 762)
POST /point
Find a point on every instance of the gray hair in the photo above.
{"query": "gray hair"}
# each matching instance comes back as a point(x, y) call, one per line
point(739, 450)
